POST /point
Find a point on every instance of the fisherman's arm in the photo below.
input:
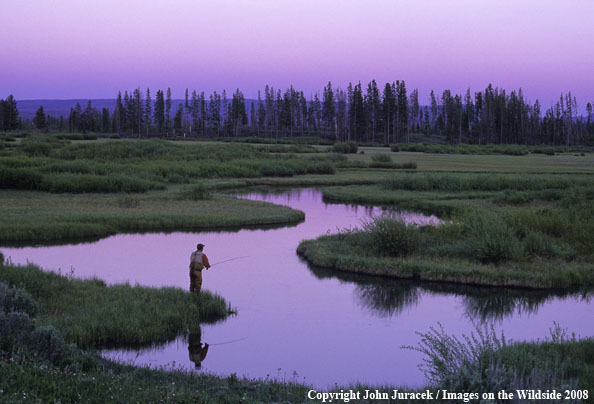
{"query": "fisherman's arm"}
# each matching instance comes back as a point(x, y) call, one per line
point(205, 261)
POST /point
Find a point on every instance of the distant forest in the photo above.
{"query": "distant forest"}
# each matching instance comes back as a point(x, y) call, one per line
point(371, 114)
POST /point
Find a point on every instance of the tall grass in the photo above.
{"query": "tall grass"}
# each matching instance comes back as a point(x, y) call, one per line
point(52, 165)
point(485, 362)
point(456, 182)
point(391, 236)
point(491, 239)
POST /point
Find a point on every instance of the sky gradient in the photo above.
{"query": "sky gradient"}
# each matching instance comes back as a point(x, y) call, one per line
point(91, 49)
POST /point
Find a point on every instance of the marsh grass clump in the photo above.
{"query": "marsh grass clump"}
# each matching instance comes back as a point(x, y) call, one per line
point(381, 158)
point(384, 160)
point(391, 236)
point(20, 178)
point(447, 355)
point(491, 239)
point(485, 361)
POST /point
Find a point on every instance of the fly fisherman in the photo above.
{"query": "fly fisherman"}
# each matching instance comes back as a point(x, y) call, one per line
point(198, 261)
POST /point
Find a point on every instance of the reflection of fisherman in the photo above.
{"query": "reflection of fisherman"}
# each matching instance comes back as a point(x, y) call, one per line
point(196, 351)
point(198, 261)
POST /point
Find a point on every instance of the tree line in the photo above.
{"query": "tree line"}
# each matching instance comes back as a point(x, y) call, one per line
point(389, 114)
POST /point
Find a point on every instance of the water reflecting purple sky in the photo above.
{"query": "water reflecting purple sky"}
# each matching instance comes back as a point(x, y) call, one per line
point(301, 323)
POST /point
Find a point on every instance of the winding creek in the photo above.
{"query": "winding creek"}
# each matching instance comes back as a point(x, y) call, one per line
point(300, 323)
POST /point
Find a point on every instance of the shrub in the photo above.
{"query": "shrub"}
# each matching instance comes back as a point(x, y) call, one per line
point(48, 344)
point(13, 299)
point(490, 238)
point(410, 165)
point(513, 198)
point(539, 244)
point(320, 168)
point(542, 245)
point(89, 183)
point(345, 147)
point(391, 236)
point(381, 158)
point(446, 356)
point(20, 178)
point(15, 328)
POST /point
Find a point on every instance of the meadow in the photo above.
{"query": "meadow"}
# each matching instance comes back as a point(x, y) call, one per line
point(509, 219)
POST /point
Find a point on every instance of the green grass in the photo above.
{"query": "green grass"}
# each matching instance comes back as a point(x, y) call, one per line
point(495, 163)
point(29, 216)
point(509, 149)
point(35, 383)
point(90, 313)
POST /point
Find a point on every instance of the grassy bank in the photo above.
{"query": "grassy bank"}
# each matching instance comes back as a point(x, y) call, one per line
point(30, 216)
point(528, 230)
point(348, 252)
point(90, 313)
point(38, 365)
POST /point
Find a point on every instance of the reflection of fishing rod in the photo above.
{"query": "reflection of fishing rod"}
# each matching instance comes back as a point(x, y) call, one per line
point(229, 342)
point(230, 259)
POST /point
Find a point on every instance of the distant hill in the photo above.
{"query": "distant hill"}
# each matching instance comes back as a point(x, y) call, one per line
point(55, 108)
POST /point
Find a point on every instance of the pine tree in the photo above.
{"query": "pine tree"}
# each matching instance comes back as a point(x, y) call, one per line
point(138, 111)
point(195, 111)
point(261, 114)
point(159, 112)
point(119, 114)
point(328, 108)
point(9, 114)
point(372, 101)
point(413, 108)
point(105, 120)
point(168, 112)
point(388, 110)
point(402, 108)
point(40, 120)
point(148, 112)
point(177, 119)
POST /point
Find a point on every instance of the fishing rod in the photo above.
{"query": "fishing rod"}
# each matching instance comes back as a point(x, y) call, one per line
point(230, 259)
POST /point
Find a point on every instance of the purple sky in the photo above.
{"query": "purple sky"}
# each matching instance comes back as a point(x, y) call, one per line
point(91, 49)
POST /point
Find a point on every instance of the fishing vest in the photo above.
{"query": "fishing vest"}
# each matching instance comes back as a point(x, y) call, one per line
point(196, 263)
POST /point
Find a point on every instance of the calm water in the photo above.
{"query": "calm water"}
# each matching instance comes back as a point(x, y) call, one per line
point(301, 323)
